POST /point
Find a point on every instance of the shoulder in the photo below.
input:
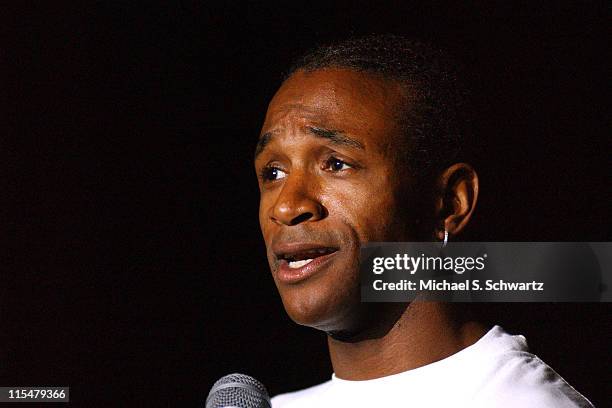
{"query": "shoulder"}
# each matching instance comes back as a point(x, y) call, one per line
point(302, 398)
point(523, 379)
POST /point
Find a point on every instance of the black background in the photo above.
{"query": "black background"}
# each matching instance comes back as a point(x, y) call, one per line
point(136, 273)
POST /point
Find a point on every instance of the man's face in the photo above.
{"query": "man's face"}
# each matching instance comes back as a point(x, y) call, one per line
point(329, 177)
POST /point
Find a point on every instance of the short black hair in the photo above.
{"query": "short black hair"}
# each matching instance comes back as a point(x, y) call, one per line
point(436, 121)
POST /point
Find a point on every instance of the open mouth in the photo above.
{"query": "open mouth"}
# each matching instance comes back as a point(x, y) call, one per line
point(300, 258)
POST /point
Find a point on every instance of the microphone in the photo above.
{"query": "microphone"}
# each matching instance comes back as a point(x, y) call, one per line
point(238, 391)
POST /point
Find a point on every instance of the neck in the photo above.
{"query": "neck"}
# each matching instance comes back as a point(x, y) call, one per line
point(424, 333)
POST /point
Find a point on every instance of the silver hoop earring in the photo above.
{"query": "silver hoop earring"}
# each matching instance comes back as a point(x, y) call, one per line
point(445, 238)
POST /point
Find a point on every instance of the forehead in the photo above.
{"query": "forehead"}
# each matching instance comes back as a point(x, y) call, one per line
point(355, 102)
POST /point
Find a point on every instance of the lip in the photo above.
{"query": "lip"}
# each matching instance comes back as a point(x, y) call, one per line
point(288, 275)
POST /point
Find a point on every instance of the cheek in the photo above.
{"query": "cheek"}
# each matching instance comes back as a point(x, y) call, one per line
point(265, 202)
point(370, 208)
point(262, 218)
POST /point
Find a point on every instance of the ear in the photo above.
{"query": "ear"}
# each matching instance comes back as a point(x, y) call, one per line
point(456, 199)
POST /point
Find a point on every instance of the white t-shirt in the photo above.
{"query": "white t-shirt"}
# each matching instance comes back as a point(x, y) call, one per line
point(496, 371)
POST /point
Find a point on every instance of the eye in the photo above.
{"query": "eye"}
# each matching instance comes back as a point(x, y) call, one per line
point(272, 173)
point(335, 164)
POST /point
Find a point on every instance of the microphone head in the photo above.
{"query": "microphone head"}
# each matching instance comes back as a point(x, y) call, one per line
point(238, 391)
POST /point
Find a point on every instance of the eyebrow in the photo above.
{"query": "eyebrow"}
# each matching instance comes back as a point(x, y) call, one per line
point(337, 137)
point(262, 142)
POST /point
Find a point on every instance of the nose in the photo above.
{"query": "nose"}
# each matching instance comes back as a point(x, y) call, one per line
point(297, 202)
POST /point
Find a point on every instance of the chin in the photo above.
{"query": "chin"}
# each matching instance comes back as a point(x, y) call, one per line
point(326, 299)
point(321, 309)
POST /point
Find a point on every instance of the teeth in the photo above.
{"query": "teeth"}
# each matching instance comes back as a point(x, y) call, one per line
point(299, 264)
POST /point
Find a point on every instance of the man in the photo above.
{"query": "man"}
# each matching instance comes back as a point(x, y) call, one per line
point(363, 143)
